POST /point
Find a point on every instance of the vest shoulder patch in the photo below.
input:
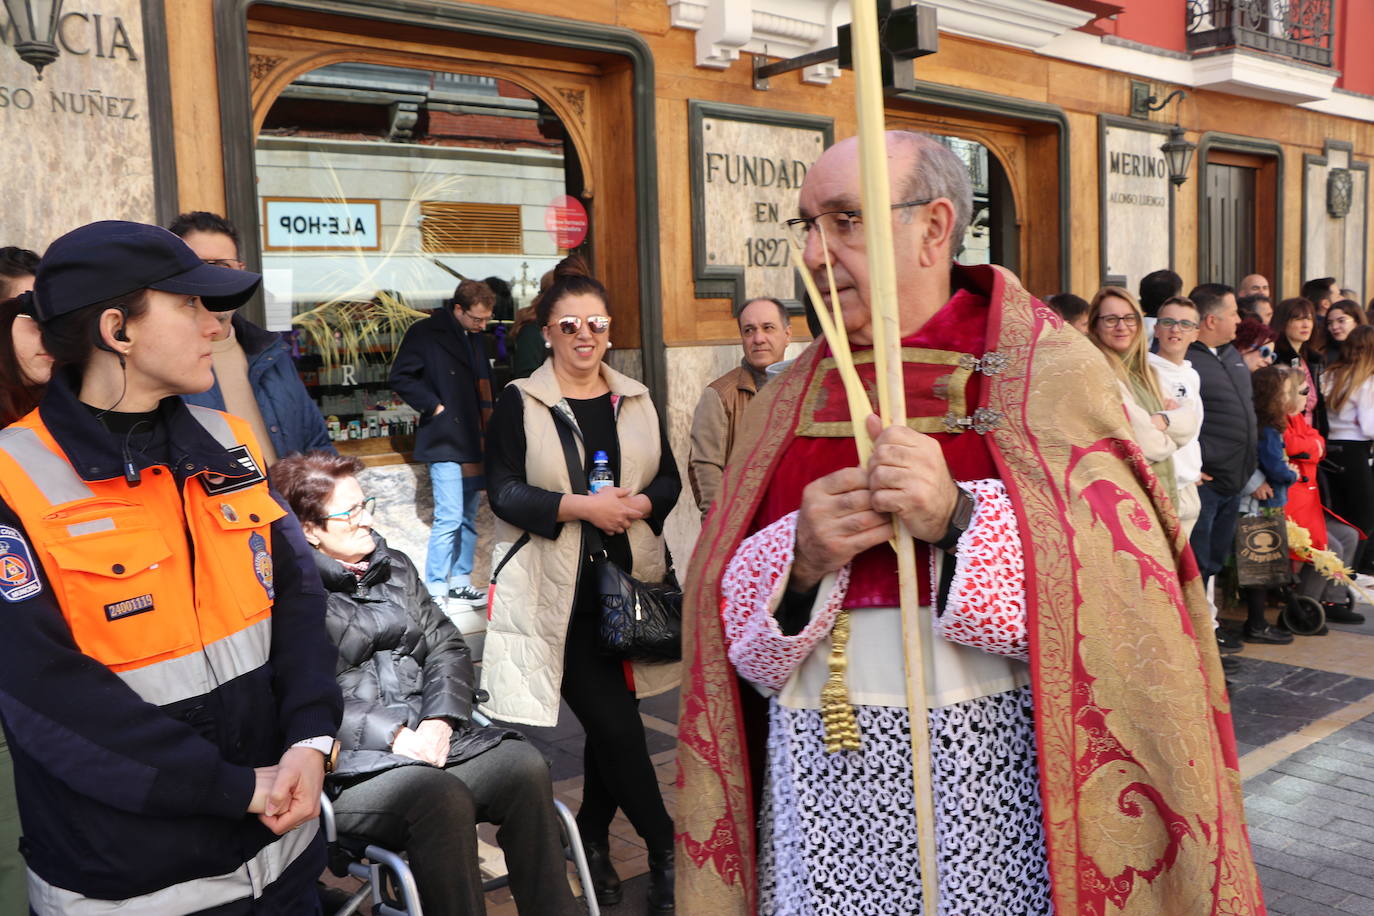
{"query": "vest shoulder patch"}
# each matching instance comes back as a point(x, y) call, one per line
point(18, 573)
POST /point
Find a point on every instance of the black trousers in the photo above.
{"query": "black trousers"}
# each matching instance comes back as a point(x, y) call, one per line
point(1352, 490)
point(432, 815)
point(617, 772)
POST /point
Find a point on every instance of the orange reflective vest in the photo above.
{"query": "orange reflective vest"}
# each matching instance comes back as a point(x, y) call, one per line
point(174, 616)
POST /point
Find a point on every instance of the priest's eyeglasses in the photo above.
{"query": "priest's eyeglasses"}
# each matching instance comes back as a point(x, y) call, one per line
point(840, 227)
point(353, 513)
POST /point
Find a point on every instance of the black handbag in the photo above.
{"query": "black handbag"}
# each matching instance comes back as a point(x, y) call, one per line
point(640, 621)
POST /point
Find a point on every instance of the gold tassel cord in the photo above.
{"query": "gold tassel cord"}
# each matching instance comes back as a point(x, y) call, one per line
point(841, 725)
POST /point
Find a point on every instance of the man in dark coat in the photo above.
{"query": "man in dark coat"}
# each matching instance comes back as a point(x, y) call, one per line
point(441, 370)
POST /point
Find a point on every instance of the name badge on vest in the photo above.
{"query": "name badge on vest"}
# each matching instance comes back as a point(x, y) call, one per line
point(216, 484)
point(262, 562)
point(18, 573)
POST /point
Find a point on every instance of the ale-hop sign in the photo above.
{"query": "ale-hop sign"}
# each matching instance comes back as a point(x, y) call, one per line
point(747, 168)
point(312, 224)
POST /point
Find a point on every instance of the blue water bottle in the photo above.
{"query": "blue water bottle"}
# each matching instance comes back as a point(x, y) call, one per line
point(601, 473)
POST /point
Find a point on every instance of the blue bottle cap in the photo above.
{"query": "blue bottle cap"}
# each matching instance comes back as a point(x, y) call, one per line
point(600, 456)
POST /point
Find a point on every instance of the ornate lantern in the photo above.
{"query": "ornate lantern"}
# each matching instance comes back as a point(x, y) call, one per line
point(35, 23)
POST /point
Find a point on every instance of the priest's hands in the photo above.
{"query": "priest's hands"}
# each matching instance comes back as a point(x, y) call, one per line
point(847, 512)
point(908, 478)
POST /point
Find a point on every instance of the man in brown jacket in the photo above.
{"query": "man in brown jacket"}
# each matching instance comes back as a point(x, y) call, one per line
point(765, 333)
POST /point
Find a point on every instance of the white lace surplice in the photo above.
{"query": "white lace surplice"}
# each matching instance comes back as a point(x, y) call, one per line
point(838, 831)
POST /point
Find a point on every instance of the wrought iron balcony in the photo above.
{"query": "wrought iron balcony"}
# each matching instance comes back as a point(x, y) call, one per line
point(1299, 29)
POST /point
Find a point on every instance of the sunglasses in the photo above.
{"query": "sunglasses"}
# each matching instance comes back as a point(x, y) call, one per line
point(571, 324)
point(1184, 323)
point(1265, 352)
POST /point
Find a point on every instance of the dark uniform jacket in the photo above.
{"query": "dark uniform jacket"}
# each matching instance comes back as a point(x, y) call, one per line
point(437, 363)
point(401, 661)
point(122, 795)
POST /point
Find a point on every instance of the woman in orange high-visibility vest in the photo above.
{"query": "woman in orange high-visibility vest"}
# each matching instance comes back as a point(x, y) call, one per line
point(166, 681)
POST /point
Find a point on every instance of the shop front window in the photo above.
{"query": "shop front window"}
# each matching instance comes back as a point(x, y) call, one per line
point(380, 189)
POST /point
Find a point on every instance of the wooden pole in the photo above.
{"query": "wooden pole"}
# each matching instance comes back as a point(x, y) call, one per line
point(887, 346)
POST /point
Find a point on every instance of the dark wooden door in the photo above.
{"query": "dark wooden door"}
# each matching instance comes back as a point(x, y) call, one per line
point(1230, 246)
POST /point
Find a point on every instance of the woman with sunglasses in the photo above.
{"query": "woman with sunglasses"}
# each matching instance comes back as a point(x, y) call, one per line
point(414, 772)
point(1116, 325)
point(1349, 392)
point(542, 639)
point(1300, 344)
point(1254, 342)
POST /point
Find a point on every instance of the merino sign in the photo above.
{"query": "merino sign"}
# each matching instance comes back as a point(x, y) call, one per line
point(1136, 219)
point(311, 224)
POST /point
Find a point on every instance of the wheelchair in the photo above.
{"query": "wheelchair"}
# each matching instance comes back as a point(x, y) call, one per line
point(387, 878)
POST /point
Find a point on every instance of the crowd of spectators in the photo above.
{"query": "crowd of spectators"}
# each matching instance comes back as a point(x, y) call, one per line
point(1284, 400)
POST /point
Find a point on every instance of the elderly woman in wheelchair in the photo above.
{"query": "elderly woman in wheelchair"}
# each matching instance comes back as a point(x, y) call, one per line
point(414, 772)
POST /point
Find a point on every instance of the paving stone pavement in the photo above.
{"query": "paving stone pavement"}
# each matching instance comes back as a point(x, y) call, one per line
point(1304, 722)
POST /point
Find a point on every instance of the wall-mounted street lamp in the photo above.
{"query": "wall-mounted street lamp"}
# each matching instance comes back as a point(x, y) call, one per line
point(1178, 151)
point(35, 24)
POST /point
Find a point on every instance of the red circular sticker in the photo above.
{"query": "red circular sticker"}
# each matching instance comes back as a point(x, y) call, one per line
point(566, 221)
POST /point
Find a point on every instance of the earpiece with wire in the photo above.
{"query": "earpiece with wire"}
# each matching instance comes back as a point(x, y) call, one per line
point(99, 342)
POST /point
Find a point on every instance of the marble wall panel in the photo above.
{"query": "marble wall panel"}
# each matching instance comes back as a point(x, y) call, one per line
point(77, 142)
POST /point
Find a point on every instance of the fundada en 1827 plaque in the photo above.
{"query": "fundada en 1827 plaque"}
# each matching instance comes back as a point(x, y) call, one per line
point(747, 168)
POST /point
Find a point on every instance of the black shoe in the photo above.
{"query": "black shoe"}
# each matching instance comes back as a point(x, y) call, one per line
point(1267, 634)
point(1341, 613)
point(1230, 665)
point(1227, 642)
point(661, 893)
point(605, 882)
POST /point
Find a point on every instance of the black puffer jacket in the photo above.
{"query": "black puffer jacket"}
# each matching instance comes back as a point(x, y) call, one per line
point(401, 661)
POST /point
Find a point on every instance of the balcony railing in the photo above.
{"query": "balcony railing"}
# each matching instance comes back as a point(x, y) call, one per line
point(1300, 29)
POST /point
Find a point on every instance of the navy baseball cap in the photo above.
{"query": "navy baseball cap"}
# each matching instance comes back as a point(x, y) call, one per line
point(110, 258)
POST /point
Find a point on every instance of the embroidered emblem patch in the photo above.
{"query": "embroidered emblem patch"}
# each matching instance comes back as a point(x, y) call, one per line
point(262, 562)
point(18, 573)
point(129, 607)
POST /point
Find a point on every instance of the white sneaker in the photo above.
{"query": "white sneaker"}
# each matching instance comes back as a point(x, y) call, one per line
point(467, 596)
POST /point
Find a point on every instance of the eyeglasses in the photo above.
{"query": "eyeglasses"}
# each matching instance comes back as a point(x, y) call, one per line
point(1171, 323)
point(356, 512)
point(231, 263)
point(571, 324)
point(844, 227)
point(1112, 321)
